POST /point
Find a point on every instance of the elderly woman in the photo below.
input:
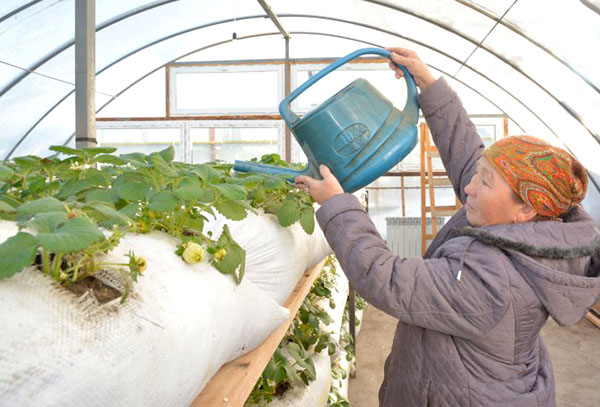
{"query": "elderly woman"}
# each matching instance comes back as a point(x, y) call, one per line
point(470, 312)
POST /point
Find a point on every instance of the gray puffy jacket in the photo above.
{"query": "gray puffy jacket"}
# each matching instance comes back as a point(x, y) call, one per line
point(470, 311)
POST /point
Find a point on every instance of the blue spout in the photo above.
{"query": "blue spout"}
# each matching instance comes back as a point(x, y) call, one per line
point(249, 166)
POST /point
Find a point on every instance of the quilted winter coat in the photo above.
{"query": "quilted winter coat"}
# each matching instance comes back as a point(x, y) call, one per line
point(470, 311)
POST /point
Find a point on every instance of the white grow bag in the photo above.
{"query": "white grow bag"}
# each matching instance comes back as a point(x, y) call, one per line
point(276, 257)
point(161, 347)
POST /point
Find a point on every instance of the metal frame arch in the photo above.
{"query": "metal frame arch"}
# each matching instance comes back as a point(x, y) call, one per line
point(566, 107)
point(497, 20)
point(71, 43)
point(250, 17)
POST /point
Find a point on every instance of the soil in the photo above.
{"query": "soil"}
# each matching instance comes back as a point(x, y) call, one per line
point(102, 292)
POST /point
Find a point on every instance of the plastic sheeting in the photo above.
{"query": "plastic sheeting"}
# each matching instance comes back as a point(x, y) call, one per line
point(537, 61)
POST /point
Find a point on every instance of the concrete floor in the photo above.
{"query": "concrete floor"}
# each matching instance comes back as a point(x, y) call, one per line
point(575, 353)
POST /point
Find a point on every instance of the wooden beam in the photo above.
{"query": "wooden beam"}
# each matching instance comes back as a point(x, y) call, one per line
point(234, 382)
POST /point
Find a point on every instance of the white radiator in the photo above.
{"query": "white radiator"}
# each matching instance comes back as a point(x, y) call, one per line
point(404, 235)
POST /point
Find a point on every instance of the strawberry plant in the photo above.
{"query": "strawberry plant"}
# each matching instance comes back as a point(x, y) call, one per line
point(61, 204)
point(305, 337)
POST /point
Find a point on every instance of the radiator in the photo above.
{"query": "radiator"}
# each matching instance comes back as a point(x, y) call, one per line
point(404, 235)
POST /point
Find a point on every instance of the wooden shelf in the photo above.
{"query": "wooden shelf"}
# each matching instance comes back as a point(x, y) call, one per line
point(234, 382)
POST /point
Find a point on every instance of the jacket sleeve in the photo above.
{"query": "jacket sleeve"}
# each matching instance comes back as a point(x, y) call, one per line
point(453, 133)
point(458, 292)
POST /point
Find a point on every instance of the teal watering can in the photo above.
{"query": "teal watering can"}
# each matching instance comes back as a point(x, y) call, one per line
point(357, 132)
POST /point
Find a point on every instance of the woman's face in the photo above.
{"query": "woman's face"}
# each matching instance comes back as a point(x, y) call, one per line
point(490, 199)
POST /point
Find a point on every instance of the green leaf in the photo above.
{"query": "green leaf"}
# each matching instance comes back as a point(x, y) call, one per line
point(75, 234)
point(274, 183)
point(74, 187)
point(289, 213)
point(131, 187)
point(130, 210)
point(206, 173)
point(163, 201)
point(196, 224)
point(17, 252)
point(231, 262)
point(109, 213)
point(168, 154)
point(46, 222)
point(253, 179)
point(270, 369)
point(296, 351)
point(5, 172)
point(231, 210)
point(69, 151)
point(102, 195)
point(190, 189)
point(47, 204)
point(109, 159)
point(6, 208)
point(27, 162)
point(279, 374)
point(307, 219)
point(159, 163)
point(231, 191)
point(135, 159)
point(94, 151)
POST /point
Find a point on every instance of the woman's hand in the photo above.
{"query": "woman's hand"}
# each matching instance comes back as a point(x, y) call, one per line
point(320, 190)
point(417, 68)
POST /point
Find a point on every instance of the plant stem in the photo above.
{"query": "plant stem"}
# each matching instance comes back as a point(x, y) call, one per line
point(56, 265)
point(46, 261)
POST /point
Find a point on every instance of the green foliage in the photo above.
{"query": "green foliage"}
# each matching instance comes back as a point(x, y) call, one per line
point(292, 363)
point(66, 200)
point(16, 252)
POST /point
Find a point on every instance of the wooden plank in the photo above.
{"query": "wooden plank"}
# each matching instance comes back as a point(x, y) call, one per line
point(440, 182)
point(591, 316)
point(234, 382)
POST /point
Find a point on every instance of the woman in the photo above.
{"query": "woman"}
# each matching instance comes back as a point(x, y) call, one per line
point(470, 311)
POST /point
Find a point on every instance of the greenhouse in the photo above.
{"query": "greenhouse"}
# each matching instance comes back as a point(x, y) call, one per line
point(300, 203)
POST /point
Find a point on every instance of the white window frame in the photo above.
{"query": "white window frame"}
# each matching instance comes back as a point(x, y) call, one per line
point(202, 69)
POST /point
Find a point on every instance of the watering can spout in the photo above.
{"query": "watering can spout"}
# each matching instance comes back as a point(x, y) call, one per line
point(249, 166)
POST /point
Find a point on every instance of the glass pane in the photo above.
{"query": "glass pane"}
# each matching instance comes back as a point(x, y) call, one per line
point(378, 74)
point(143, 140)
point(144, 99)
point(226, 91)
point(568, 28)
point(233, 143)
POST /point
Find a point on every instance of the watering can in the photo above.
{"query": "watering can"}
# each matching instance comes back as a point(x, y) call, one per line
point(357, 132)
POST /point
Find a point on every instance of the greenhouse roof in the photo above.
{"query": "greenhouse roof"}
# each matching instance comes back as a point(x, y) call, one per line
point(537, 62)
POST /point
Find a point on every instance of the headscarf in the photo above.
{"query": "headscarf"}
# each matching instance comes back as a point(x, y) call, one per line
point(545, 177)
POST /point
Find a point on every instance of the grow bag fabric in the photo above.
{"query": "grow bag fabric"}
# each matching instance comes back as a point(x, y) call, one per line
point(181, 323)
point(276, 256)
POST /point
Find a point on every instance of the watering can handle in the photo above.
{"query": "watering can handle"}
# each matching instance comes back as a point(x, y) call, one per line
point(411, 110)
